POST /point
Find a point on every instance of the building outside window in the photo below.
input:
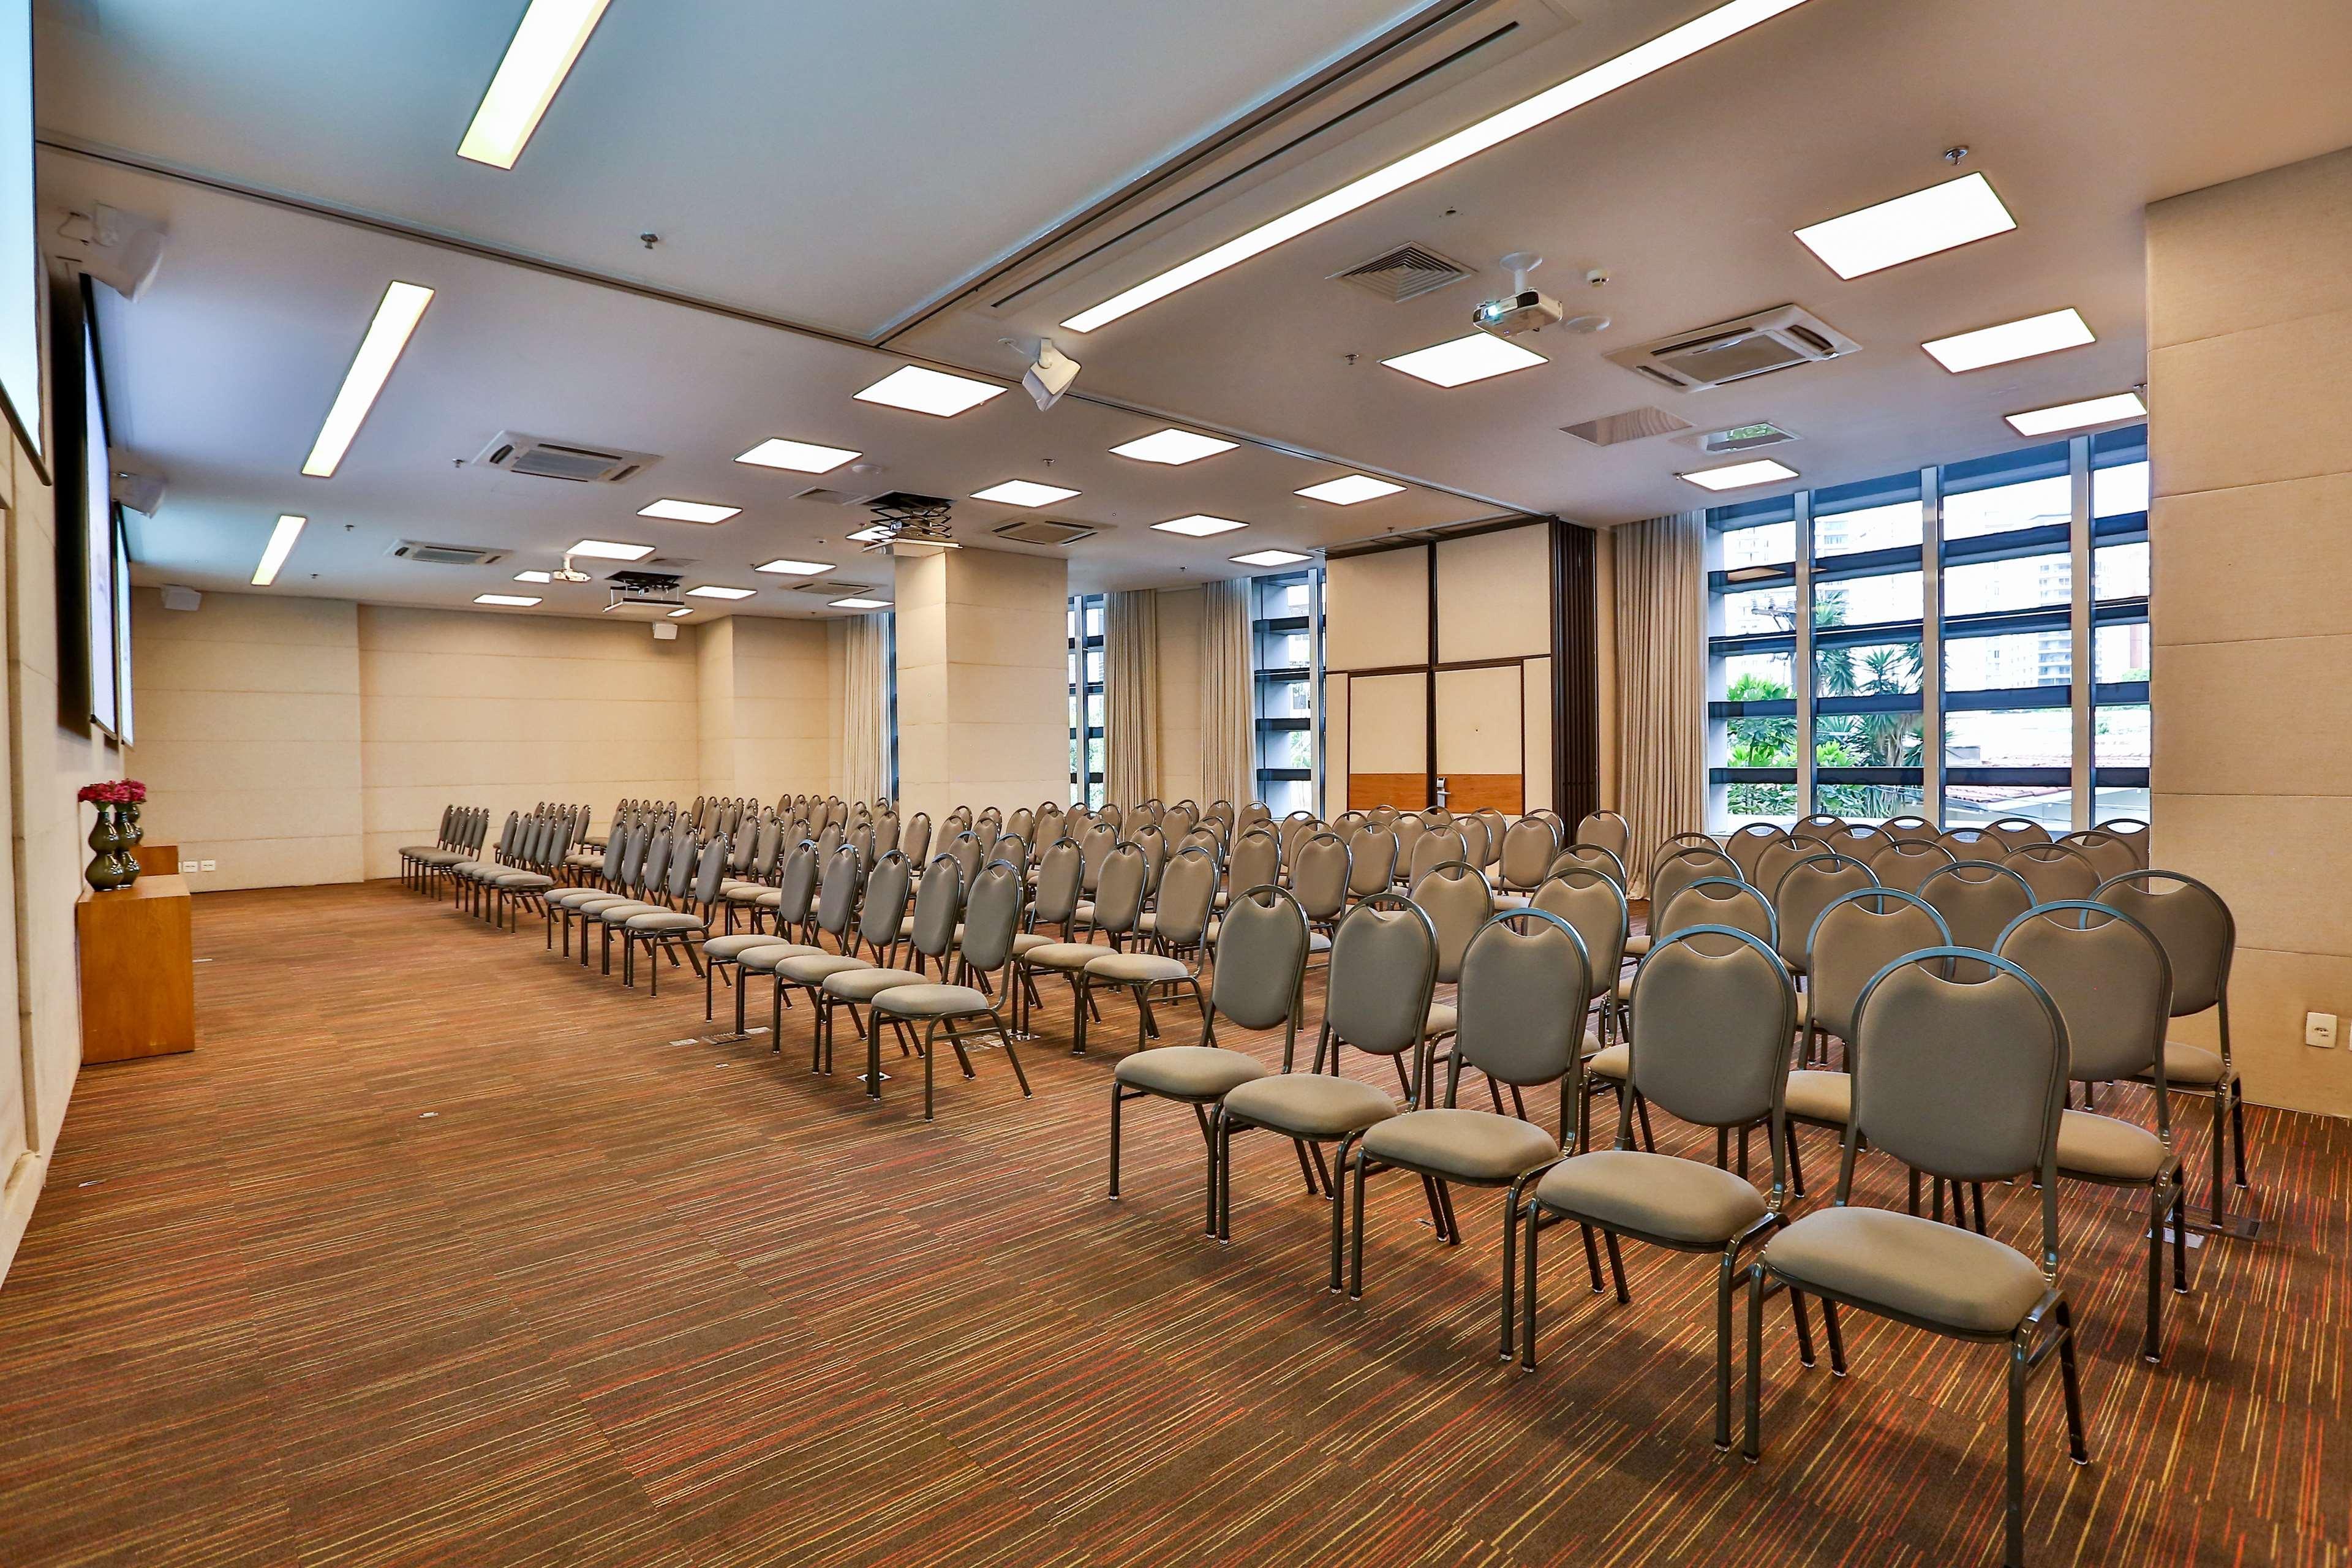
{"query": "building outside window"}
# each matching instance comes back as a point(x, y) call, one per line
point(1975, 636)
point(1085, 643)
point(1286, 657)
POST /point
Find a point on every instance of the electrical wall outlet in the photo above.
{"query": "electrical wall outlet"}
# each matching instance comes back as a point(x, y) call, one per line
point(2319, 1029)
point(187, 867)
point(210, 865)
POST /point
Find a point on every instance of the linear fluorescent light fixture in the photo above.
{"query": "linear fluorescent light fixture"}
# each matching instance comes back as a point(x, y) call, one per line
point(550, 37)
point(2012, 340)
point(712, 591)
point(675, 510)
point(396, 315)
point(1173, 446)
point(1723, 22)
point(800, 457)
point(930, 392)
point(1023, 492)
point(1271, 558)
point(1740, 476)
point(534, 576)
point(281, 545)
point(1908, 227)
point(513, 601)
point(1461, 361)
point(681, 612)
point(1198, 525)
point(606, 550)
point(2079, 416)
point(861, 604)
point(785, 568)
point(1348, 490)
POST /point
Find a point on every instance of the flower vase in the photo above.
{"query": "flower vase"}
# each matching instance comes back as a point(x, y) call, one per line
point(127, 830)
point(105, 871)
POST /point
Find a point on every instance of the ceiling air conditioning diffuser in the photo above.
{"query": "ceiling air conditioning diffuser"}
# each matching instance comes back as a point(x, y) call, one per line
point(1043, 530)
point(445, 555)
point(571, 460)
point(1733, 351)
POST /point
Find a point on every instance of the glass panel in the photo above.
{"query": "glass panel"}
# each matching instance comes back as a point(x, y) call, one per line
point(1094, 667)
point(2036, 503)
point(2122, 488)
point(1285, 650)
point(1968, 806)
point(1095, 710)
point(1866, 669)
point(2119, 653)
point(2010, 738)
point(1767, 743)
point(1996, 664)
point(1285, 700)
point(1770, 545)
point(1868, 741)
point(1286, 749)
point(1094, 615)
point(1866, 601)
point(2120, 570)
point(1759, 610)
point(2120, 735)
point(1284, 797)
point(2028, 582)
point(1870, 803)
point(1871, 528)
point(1761, 802)
point(1757, 677)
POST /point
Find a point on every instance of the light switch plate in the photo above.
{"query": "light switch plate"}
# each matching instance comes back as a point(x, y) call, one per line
point(2320, 1030)
point(186, 866)
point(210, 865)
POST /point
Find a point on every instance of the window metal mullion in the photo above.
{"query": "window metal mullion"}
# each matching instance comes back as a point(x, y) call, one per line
point(1801, 677)
point(1316, 788)
point(1931, 645)
point(2078, 468)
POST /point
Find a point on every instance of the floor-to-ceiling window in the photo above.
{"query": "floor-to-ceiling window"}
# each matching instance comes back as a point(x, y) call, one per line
point(1087, 698)
point(1286, 644)
point(1973, 643)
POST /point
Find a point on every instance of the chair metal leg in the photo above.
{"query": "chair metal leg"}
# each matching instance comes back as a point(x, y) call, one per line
point(2151, 1347)
point(2014, 1498)
point(2078, 1448)
point(1117, 1099)
point(1751, 1447)
point(1356, 1237)
point(1533, 1220)
point(1724, 1275)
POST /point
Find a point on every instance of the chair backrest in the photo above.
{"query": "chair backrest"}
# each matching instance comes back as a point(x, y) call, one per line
point(1977, 899)
point(1713, 1011)
point(1094, 848)
point(616, 854)
point(1588, 857)
point(965, 849)
point(2199, 933)
point(1528, 848)
point(2055, 872)
point(1154, 845)
point(1772, 861)
point(986, 829)
point(1255, 858)
point(1118, 894)
point(1222, 810)
point(2110, 854)
point(1678, 868)
point(1409, 829)
point(2132, 831)
point(1747, 842)
point(1013, 850)
point(2016, 832)
point(1520, 1011)
point(1383, 971)
point(1593, 902)
point(861, 834)
point(1261, 958)
point(887, 829)
point(883, 909)
point(1457, 902)
point(654, 875)
point(1608, 829)
point(1203, 838)
point(1252, 814)
point(837, 899)
point(1059, 872)
point(710, 870)
point(1295, 829)
point(992, 915)
point(1819, 825)
point(1717, 902)
point(1320, 874)
point(1371, 861)
point(510, 834)
point(829, 838)
point(448, 822)
point(1904, 862)
point(1856, 935)
point(1022, 823)
point(1178, 820)
point(1805, 890)
point(1972, 842)
point(939, 904)
point(2112, 983)
point(796, 884)
point(1858, 839)
point(915, 838)
point(1478, 844)
point(1188, 892)
point(1439, 846)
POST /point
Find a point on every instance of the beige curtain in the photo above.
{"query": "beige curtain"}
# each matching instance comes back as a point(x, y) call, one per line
point(865, 708)
point(1130, 696)
point(1661, 683)
point(1228, 701)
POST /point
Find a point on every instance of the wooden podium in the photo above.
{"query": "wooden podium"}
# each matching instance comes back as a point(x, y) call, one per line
point(138, 971)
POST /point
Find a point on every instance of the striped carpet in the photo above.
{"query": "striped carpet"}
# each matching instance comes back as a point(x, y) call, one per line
point(441, 1251)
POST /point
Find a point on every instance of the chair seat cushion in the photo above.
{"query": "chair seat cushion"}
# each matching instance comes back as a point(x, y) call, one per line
point(1136, 969)
point(1655, 1195)
point(1319, 941)
point(768, 898)
point(1188, 1072)
point(1820, 1096)
point(2191, 1067)
point(523, 881)
point(766, 958)
point(1441, 1020)
point(745, 893)
point(665, 920)
point(1029, 941)
point(440, 857)
point(1310, 1104)
point(572, 898)
point(816, 968)
point(729, 947)
point(583, 860)
point(1638, 944)
point(1938, 1273)
point(1069, 955)
point(864, 985)
point(1616, 1062)
point(615, 911)
point(1510, 901)
point(930, 1001)
point(1468, 1145)
point(2107, 1149)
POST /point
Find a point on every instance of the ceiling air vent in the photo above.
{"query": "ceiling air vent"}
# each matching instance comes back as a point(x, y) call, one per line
point(1043, 530)
point(1735, 351)
point(1634, 425)
point(545, 459)
point(445, 555)
point(1407, 272)
point(1745, 438)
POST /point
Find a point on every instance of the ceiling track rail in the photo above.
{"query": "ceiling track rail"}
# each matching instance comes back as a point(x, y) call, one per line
point(440, 240)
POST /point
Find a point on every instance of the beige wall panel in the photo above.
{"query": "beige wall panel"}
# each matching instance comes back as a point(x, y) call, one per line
point(2252, 408)
point(1479, 727)
point(2252, 253)
point(2281, 861)
point(2269, 994)
point(1178, 673)
point(22, 1166)
point(2280, 547)
point(1388, 724)
point(1336, 718)
point(1493, 594)
point(982, 650)
point(1536, 678)
point(2295, 692)
point(1375, 610)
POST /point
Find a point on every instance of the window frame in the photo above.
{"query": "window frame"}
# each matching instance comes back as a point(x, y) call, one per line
point(1267, 728)
point(1085, 609)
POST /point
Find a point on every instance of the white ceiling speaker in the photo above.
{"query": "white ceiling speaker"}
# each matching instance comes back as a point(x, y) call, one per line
point(121, 250)
point(1049, 375)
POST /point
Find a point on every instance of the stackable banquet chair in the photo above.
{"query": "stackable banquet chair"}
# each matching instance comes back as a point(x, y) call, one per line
point(960, 1012)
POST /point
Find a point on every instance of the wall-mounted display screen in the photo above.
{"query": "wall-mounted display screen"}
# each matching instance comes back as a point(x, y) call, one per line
point(98, 533)
point(21, 288)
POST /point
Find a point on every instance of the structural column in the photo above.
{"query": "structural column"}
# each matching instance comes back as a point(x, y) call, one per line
point(983, 680)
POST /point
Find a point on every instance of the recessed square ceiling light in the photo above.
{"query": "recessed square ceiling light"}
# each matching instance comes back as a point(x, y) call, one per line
point(1739, 476)
point(1023, 492)
point(783, 568)
point(2012, 340)
point(681, 613)
point(800, 457)
point(1908, 227)
point(1272, 558)
point(2078, 416)
point(1173, 446)
point(281, 545)
point(712, 591)
point(1461, 361)
point(675, 511)
point(606, 549)
point(861, 604)
point(534, 577)
point(929, 391)
point(518, 600)
point(1198, 525)
point(550, 36)
point(1350, 489)
point(396, 315)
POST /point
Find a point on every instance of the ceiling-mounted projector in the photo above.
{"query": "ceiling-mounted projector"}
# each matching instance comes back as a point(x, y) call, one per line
point(1049, 375)
point(1523, 309)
